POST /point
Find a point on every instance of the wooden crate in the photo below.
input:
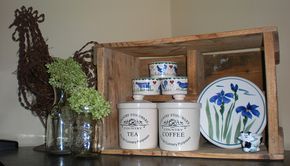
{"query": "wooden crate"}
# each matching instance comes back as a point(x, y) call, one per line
point(250, 53)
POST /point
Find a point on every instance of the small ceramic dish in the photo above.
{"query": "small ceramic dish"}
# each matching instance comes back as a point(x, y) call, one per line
point(163, 69)
point(146, 86)
point(174, 85)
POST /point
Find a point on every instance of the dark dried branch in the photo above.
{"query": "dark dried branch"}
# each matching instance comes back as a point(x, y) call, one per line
point(85, 57)
point(34, 91)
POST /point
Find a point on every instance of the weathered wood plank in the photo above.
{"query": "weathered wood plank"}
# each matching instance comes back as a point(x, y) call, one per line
point(271, 87)
point(222, 41)
point(211, 36)
point(195, 70)
point(206, 151)
point(248, 65)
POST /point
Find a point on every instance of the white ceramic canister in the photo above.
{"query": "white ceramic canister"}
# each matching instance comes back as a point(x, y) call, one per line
point(174, 85)
point(162, 69)
point(138, 124)
point(146, 86)
point(179, 125)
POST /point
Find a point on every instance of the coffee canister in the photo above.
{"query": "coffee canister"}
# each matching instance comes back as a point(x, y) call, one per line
point(138, 124)
point(179, 125)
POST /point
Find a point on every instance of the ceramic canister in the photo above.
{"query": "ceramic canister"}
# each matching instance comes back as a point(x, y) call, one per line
point(174, 85)
point(179, 125)
point(162, 69)
point(146, 86)
point(138, 124)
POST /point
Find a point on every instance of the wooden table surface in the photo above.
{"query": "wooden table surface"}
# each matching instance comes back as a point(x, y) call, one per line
point(27, 156)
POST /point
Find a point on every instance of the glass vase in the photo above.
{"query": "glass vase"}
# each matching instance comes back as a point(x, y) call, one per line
point(59, 128)
point(87, 139)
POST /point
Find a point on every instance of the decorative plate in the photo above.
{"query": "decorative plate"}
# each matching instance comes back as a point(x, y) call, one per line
point(231, 105)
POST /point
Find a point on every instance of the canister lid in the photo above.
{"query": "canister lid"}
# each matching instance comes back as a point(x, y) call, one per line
point(179, 102)
point(138, 102)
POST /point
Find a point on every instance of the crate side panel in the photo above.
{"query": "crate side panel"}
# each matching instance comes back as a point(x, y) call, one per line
point(121, 68)
point(271, 96)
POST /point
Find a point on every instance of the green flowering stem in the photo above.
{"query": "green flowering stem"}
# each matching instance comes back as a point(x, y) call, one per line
point(66, 74)
point(217, 123)
point(238, 130)
point(227, 131)
point(91, 101)
point(210, 126)
point(245, 120)
point(227, 122)
point(222, 109)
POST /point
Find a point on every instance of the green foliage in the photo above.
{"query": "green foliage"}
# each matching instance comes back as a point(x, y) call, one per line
point(91, 100)
point(66, 74)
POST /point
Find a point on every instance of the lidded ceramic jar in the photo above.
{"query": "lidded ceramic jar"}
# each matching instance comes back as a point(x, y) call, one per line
point(138, 124)
point(179, 125)
point(162, 69)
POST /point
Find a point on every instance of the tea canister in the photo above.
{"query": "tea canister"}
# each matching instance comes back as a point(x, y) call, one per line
point(138, 124)
point(146, 86)
point(179, 125)
point(174, 85)
point(162, 69)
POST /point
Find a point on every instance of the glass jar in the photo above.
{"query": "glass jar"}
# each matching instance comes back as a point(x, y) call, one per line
point(59, 126)
point(87, 135)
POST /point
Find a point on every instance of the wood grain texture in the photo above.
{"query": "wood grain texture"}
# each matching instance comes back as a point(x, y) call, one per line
point(195, 71)
point(101, 61)
point(191, 61)
point(210, 37)
point(222, 41)
point(248, 65)
point(271, 87)
point(206, 151)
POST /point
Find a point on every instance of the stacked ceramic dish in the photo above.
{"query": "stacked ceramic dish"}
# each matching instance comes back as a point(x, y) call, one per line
point(162, 80)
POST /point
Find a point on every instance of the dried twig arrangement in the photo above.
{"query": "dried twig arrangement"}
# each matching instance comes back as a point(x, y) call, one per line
point(85, 57)
point(34, 91)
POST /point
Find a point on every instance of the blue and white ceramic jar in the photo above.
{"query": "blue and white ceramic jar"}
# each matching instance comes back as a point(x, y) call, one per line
point(174, 85)
point(162, 69)
point(146, 86)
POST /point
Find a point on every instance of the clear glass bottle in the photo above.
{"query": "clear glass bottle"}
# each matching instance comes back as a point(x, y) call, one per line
point(59, 126)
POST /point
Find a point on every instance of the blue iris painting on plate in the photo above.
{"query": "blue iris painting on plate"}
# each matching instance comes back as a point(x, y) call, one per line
point(230, 107)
